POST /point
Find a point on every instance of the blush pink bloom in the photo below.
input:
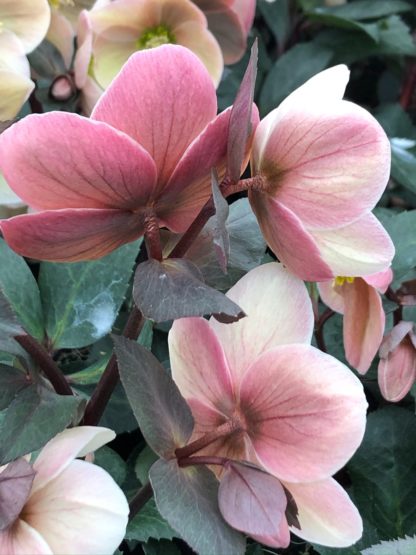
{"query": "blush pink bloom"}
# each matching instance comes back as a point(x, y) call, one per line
point(230, 21)
point(358, 299)
point(74, 506)
point(324, 163)
point(397, 366)
point(147, 151)
point(299, 413)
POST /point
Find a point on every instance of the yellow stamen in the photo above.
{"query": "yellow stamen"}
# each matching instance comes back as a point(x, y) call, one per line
point(157, 36)
point(340, 280)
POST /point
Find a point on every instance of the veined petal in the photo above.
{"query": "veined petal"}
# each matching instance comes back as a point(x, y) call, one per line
point(364, 321)
point(282, 539)
point(380, 280)
point(305, 412)
point(110, 56)
point(279, 312)
point(397, 372)
point(327, 515)
point(62, 160)
point(198, 364)
point(82, 511)
point(289, 239)
point(173, 99)
point(22, 538)
point(60, 451)
point(358, 249)
point(329, 164)
point(71, 235)
point(332, 296)
point(27, 19)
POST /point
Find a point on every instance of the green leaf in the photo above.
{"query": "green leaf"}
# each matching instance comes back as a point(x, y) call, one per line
point(187, 499)
point(383, 472)
point(395, 121)
point(20, 289)
point(143, 464)
point(291, 70)
point(47, 61)
point(34, 416)
point(395, 37)
point(12, 381)
point(366, 9)
point(162, 547)
point(276, 16)
point(149, 524)
point(112, 463)
point(403, 162)
point(174, 289)
point(81, 300)
point(402, 546)
point(163, 415)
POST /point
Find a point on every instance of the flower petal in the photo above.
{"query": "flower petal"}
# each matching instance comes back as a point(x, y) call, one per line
point(397, 372)
point(328, 164)
point(305, 412)
point(331, 296)
point(198, 364)
point(82, 511)
point(62, 160)
point(279, 312)
point(172, 97)
point(364, 322)
point(358, 249)
point(326, 514)
point(380, 280)
point(27, 19)
point(15, 89)
point(60, 451)
point(282, 539)
point(288, 239)
point(71, 235)
point(22, 538)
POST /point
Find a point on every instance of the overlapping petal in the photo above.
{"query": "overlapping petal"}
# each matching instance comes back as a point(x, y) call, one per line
point(397, 372)
point(271, 295)
point(172, 98)
point(27, 19)
point(305, 412)
point(326, 514)
point(22, 538)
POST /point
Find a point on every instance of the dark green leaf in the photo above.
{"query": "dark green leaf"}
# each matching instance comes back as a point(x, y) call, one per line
point(276, 16)
point(403, 162)
point(12, 381)
point(143, 464)
point(34, 417)
point(81, 300)
point(112, 463)
point(187, 499)
point(366, 9)
point(47, 61)
point(21, 291)
point(291, 70)
point(162, 547)
point(163, 415)
point(149, 524)
point(174, 289)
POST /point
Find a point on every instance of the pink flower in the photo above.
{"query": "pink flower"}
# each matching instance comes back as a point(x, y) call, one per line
point(324, 163)
point(73, 506)
point(397, 366)
point(230, 21)
point(358, 299)
point(146, 152)
point(295, 411)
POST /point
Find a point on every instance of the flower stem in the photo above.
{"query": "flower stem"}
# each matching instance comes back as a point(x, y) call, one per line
point(152, 237)
point(225, 429)
point(319, 329)
point(46, 363)
point(191, 461)
point(398, 313)
point(140, 499)
point(109, 379)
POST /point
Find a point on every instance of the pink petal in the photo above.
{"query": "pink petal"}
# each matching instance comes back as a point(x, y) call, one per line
point(364, 322)
point(394, 337)
point(172, 98)
point(326, 514)
point(282, 539)
point(62, 160)
point(331, 295)
point(82, 511)
point(305, 412)
point(279, 312)
point(380, 280)
point(71, 235)
point(229, 30)
point(60, 451)
point(397, 372)
point(22, 538)
point(198, 364)
point(288, 239)
point(358, 249)
point(328, 164)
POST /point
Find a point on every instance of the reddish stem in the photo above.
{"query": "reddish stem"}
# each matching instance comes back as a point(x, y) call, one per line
point(140, 499)
point(152, 237)
point(191, 461)
point(398, 313)
point(319, 328)
point(409, 85)
point(225, 429)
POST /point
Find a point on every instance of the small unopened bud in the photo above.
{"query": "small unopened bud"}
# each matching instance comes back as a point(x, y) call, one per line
point(62, 88)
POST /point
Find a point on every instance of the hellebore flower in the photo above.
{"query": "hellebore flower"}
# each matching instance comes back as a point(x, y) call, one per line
point(293, 410)
point(230, 21)
point(27, 19)
point(358, 299)
point(124, 26)
point(73, 506)
point(146, 153)
point(323, 163)
point(397, 366)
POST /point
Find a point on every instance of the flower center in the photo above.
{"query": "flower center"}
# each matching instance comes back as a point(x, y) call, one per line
point(57, 3)
point(340, 280)
point(156, 36)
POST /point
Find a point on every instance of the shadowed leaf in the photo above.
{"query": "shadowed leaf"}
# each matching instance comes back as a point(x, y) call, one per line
point(15, 485)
